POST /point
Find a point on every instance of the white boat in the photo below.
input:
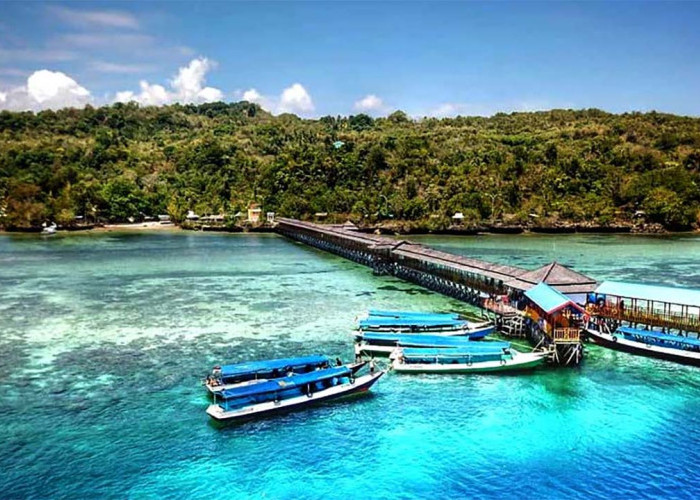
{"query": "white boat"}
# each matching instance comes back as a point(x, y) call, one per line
point(650, 343)
point(456, 360)
point(48, 230)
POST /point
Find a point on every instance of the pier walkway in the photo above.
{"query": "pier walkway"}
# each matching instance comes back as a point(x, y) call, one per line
point(475, 281)
point(502, 290)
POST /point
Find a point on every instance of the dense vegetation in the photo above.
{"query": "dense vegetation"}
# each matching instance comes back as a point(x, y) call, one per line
point(126, 161)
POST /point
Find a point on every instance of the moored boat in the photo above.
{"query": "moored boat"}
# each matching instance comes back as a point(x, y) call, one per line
point(230, 376)
point(383, 344)
point(288, 393)
point(433, 323)
point(650, 343)
point(463, 360)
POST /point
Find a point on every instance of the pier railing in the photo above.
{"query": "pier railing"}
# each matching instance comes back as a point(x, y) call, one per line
point(663, 320)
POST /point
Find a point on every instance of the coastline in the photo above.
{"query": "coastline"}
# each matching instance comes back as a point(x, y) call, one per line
point(392, 229)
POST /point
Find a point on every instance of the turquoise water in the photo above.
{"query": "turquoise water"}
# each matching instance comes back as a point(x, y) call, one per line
point(104, 339)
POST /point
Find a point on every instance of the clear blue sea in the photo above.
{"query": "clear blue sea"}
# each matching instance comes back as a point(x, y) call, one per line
point(104, 340)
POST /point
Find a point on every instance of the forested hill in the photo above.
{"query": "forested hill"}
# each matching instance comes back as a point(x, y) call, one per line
point(126, 161)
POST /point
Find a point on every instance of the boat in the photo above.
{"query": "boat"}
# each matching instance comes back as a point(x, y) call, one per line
point(229, 376)
point(463, 360)
point(651, 343)
point(49, 230)
point(410, 314)
point(288, 393)
point(442, 325)
point(383, 344)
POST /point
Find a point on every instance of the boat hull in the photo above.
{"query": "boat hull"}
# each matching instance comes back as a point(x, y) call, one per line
point(523, 361)
point(362, 384)
point(619, 343)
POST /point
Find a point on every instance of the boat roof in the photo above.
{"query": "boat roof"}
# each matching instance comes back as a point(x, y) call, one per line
point(429, 340)
point(667, 294)
point(410, 352)
point(411, 314)
point(286, 382)
point(416, 320)
point(549, 299)
point(659, 336)
point(267, 365)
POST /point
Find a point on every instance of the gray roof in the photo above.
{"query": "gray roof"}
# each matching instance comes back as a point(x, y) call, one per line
point(555, 275)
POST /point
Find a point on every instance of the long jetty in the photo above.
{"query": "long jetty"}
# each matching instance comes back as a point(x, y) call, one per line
point(471, 280)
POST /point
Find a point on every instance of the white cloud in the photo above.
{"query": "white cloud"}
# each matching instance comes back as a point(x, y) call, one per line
point(370, 104)
point(44, 55)
point(150, 95)
point(186, 87)
point(108, 67)
point(295, 99)
point(46, 90)
point(451, 109)
point(102, 18)
point(252, 95)
point(3, 97)
point(113, 41)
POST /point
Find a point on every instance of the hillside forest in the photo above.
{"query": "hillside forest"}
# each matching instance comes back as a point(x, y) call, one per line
point(125, 162)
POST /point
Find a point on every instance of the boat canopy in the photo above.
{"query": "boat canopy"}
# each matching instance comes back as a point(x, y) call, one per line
point(251, 367)
point(665, 294)
point(412, 321)
point(286, 382)
point(665, 337)
point(409, 352)
point(412, 314)
point(407, 339)
point(549, 299)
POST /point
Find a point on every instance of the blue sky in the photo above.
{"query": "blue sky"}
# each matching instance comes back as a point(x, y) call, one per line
point(320, 58)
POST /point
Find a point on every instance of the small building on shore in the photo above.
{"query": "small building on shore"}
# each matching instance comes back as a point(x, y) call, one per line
point(254, 213)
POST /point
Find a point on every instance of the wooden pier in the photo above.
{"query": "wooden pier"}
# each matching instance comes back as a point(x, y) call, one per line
point(477, 282)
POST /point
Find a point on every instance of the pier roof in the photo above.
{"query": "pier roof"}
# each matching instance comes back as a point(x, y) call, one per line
point(495, 271)
point(555, 275)
point(664, 294)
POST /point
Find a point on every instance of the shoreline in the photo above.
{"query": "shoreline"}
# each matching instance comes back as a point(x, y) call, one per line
point(384, 230)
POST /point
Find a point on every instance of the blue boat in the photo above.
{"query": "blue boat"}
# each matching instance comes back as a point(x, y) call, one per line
point(228, 376)
point(383, 344)
point(651, 343)
point(288, 393)
point(412, 314)
point(420, 322)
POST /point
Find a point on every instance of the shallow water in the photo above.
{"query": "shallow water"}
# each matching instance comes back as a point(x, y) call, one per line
point(104, 339)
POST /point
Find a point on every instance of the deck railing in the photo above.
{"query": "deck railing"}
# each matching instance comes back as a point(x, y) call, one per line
point(567, 335)
point(665, 320)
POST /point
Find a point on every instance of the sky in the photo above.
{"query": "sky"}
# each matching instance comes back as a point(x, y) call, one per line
point(320, 58)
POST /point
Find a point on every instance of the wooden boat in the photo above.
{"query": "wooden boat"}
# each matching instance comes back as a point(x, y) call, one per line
point(463, 360)
point(383, 344)
point(230, 376)
point(288, 393)
point(419, 322)
point(654, 344)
